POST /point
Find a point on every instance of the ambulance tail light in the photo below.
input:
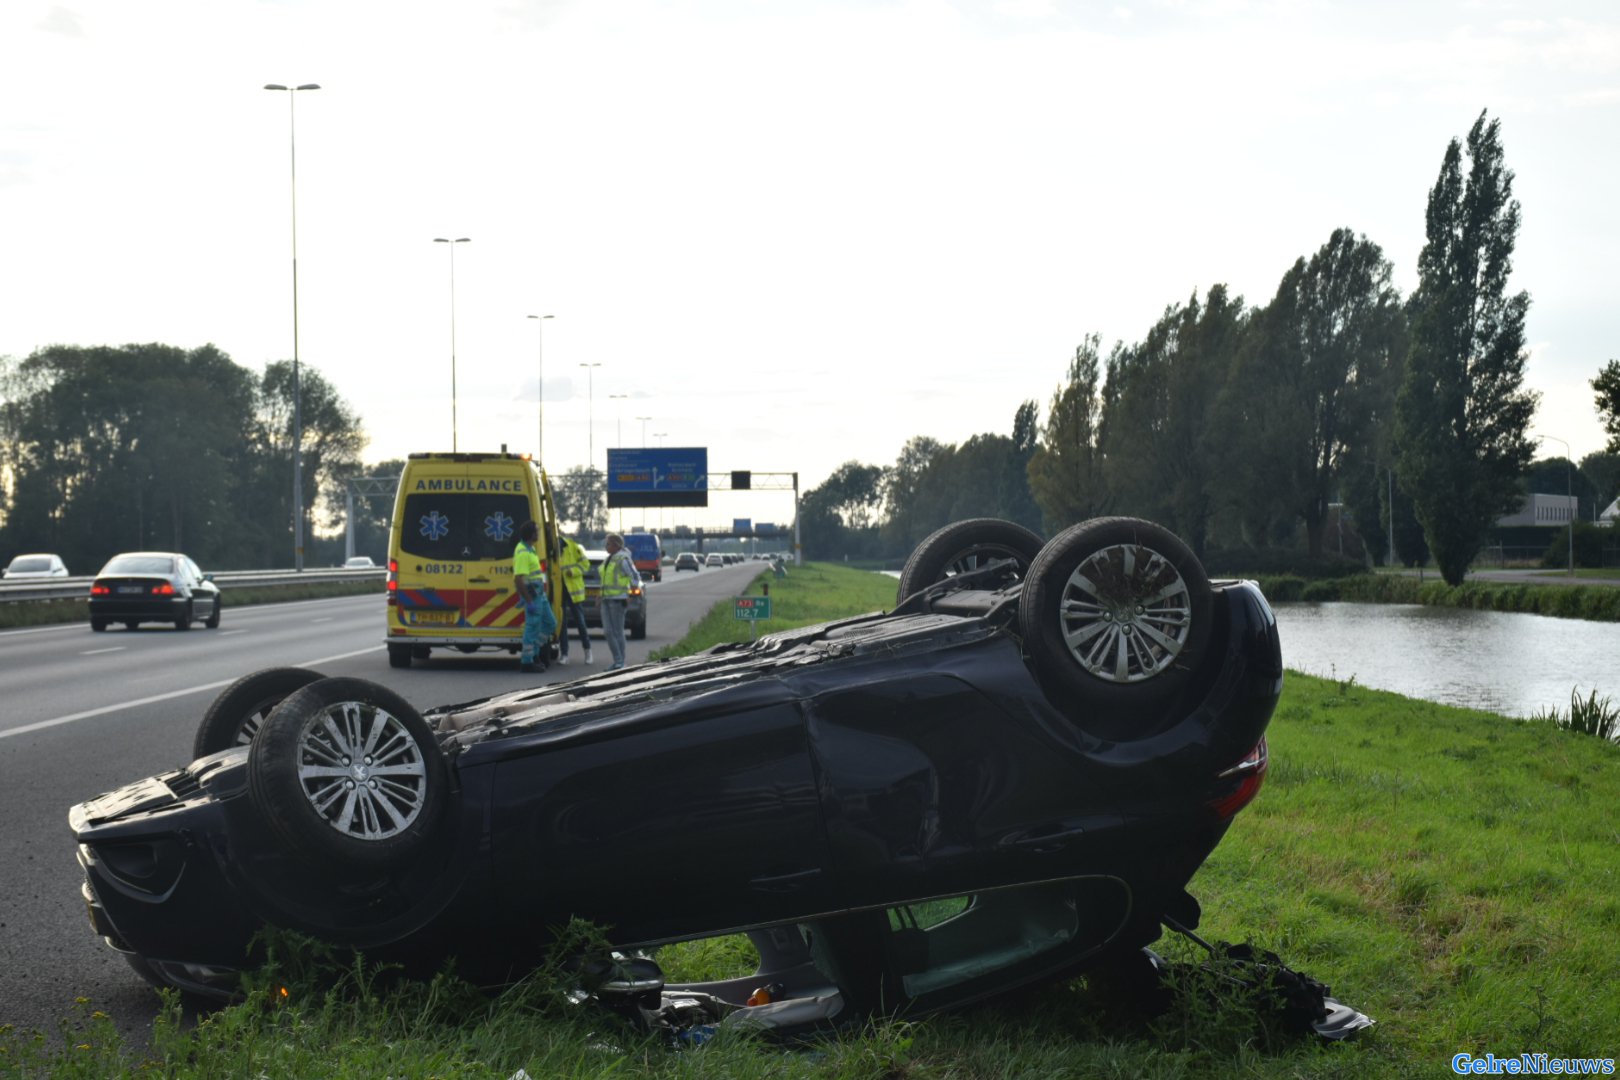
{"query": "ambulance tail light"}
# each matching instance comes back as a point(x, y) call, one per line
point(393, 581)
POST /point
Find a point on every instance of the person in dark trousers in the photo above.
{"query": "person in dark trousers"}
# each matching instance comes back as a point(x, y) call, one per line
point(573, 562)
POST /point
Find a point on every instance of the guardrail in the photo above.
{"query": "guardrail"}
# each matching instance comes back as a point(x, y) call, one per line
point(78, 588)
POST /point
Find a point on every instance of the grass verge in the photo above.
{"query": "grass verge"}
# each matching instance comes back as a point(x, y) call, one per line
point(1453, 873)
point(49, 612)
point(813, 593)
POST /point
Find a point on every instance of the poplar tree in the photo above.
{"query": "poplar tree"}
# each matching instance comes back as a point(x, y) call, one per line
point(1462, 411)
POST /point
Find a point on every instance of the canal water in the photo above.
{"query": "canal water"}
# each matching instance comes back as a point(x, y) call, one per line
point(1500, 661)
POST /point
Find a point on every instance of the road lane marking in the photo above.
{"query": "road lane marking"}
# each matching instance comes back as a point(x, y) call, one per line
point(228, 633)
point(105, 709)
point(98, 652)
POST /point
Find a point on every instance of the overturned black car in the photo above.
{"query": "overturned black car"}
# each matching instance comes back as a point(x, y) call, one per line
point(1010, 777)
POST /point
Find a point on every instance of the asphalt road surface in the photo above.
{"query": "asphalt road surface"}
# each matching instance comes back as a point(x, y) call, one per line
point(82, 713)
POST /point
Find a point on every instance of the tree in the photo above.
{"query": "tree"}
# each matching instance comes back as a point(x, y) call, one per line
point(1462, 412)
point(1066, 469)
point(1607, 385)
point(904, 524)
point(130, 447)
point(1163, 443)
point(1318, 376)
point(581, 498)
point(1603, 469)
point(837, 518)
point(332, 438)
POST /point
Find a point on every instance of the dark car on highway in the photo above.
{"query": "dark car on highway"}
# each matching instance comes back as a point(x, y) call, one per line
point(635, 610)
point(153, 586)
point(687, 560)
point(1011, 777)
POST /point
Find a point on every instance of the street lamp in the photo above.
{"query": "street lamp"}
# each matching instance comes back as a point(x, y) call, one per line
point(619, 416)
point(452, 244)
point(1569, 493)
point(644, 420)
point(660, 436)
point(298, 414)
point(540, 388)
point(590, 437)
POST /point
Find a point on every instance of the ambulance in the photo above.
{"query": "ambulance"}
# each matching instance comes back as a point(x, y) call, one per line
point(456, 521)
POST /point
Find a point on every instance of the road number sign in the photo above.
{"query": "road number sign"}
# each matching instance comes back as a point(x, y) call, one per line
point(753, 607)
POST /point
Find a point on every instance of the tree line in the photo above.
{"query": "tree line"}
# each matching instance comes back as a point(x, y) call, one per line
point(151, 447)
point(1252, 429)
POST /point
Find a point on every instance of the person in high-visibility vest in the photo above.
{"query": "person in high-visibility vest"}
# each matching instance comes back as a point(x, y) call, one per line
point(529, 579)
point(618, 576)
point(572, 563)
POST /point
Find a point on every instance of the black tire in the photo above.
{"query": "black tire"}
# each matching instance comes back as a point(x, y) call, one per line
point(212, 622)
point(326, 805)
point(638, 631)
point(399, 656)
point(131, 624)
point(242, 707)
point(183, 620)
point(969, 545)
point(98, 625)
point(1115, 613)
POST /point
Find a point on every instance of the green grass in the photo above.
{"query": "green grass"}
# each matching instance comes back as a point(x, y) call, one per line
point(813, 593)
point(50, 612)
point(1453, 873)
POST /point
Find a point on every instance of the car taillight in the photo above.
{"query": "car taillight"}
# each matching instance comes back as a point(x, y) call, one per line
point(1247, 776)
point(98, 589)
point(393, 580)
point(164, 589)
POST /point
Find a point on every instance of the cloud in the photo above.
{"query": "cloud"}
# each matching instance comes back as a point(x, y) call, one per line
point(59, 20)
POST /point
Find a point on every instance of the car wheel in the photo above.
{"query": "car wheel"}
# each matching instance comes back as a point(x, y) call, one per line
point(130, 624)
point(638, 631)
point(242, 707)
point(183, 621)
point(348, 776)
point(1116, 611)
point(98, 625)
point(964, 546)
point(212, 622)
point(399, 656)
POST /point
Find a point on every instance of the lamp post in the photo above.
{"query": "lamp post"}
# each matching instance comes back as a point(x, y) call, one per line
point(590, 393)
point(298, 413)
point(1569, 493)
point(540, 387)
point(452, 244)
point(644, 420)
point(660, 436)
point(619, 416)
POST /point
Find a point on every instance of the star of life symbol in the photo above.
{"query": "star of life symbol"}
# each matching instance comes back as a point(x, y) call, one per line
point(498, 526)
point(435, 526)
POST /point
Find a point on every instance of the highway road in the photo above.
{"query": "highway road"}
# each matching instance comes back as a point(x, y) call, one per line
point(82, 713)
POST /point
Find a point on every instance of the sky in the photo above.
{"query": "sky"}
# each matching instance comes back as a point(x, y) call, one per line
point(797, 234)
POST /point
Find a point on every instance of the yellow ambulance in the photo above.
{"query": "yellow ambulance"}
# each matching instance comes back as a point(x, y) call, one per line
point(456, 521)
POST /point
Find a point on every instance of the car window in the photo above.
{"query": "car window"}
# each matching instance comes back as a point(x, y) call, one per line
point(453, 525)
point(952, 944)
point(140, 564)
point(34, 565)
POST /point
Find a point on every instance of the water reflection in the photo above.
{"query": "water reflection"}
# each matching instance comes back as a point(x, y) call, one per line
point(1501, 661)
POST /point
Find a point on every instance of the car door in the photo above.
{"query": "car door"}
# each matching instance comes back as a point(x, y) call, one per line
point(686, 820)
point(203, 596)
point(933, 788)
